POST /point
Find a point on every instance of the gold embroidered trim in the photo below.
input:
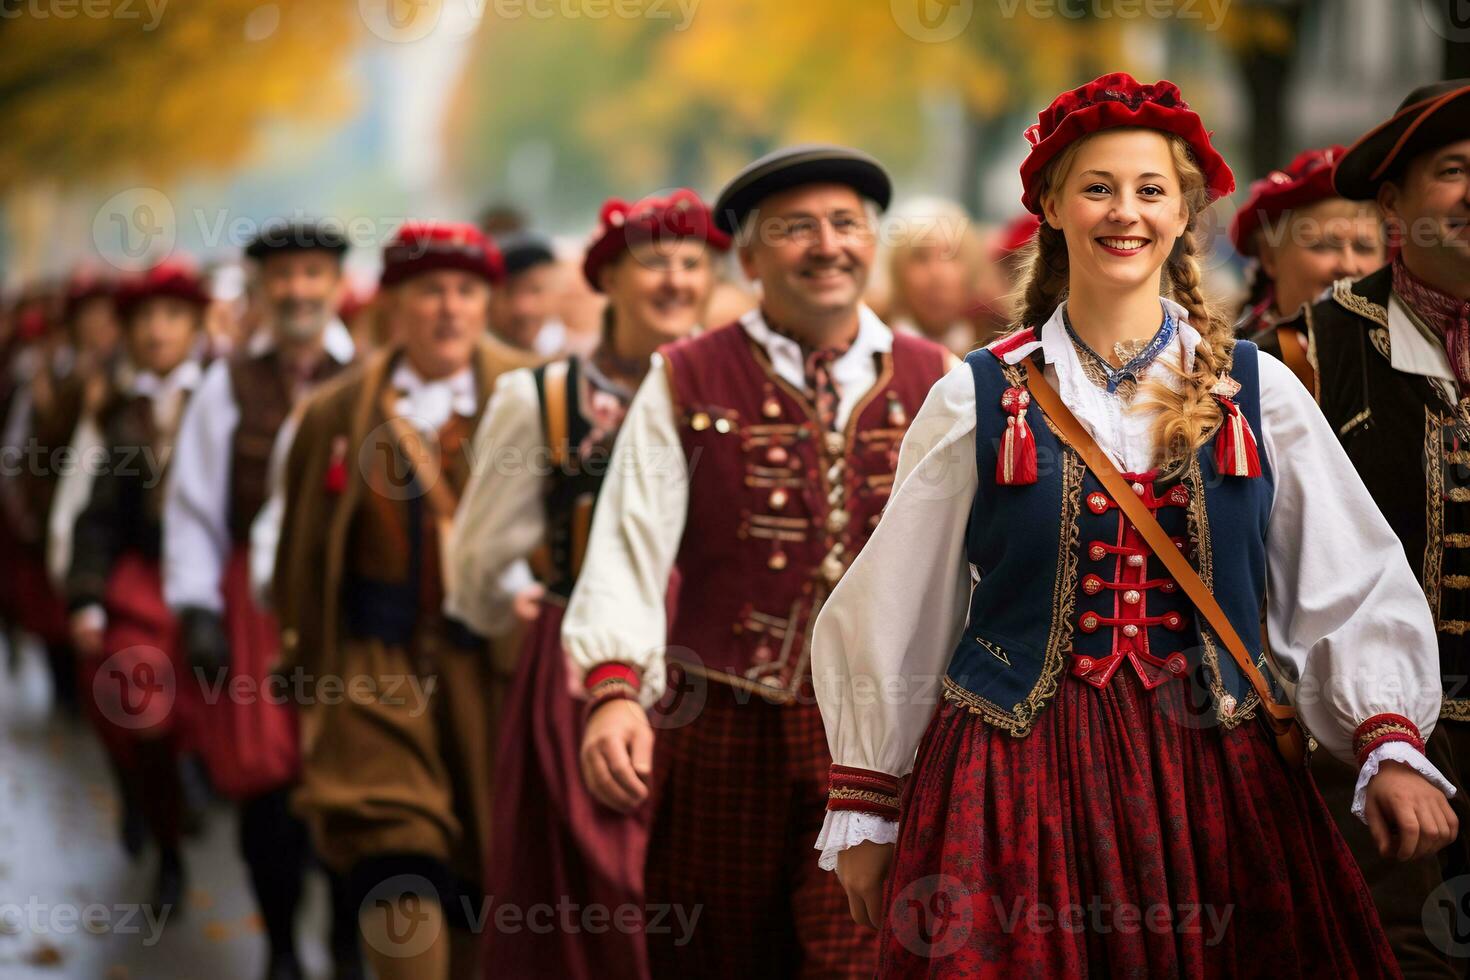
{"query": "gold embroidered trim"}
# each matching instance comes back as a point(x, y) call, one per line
point(786, 523)
point(1199, 536)
point(1455, 581)
point(1355, 421)
point(1455, 540)
point(1380, 730)
point(1454, 627)
point(1458, 495)
point(775, 534)
point(1455, 709)
point(1342, 293)
point(884, 800)
point(1022, 716)
point(996, 650)
point(1433, 509)
point(1381, 342)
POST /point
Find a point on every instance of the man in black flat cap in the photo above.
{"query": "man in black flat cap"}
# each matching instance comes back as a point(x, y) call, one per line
point(1392, 353)
point(754, 460)
point(217, 486)
point(523, 308)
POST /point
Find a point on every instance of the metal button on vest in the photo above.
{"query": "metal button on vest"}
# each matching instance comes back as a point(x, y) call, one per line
point(832, 568)
point(777, 561)
point(776, 455)
point(834, 442)
point(771, 408)
point(722, 426)
point(1130, 630)
point(1132, 597)
point(1092, 585)
point(837, 521)
point(1138, 488)
point(834, 472)
point(1135, 561)
point(1089, 623)
point(1097, 503)
point(1097, 552)
point(699, 422)
point(834, 496)
point(778, 498)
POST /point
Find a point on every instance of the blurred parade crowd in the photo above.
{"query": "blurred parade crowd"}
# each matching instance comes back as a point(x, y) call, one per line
point(222, 482)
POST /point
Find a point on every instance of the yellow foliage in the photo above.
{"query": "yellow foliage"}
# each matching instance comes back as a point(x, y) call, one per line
point(91, 87)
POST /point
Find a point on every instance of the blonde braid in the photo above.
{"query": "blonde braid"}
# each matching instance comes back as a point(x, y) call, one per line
point(1190, 414)
point(1045, 281)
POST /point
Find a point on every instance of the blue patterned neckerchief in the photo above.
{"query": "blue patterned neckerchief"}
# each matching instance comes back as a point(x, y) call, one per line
point(1133, 370)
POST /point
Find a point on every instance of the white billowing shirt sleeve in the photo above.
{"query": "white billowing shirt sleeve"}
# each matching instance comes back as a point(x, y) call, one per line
point(265, 530)
point(1346, 618)
point(618, 611)
point(501, 517)
point(196, 534)
point(90, 452)
point(886, 634)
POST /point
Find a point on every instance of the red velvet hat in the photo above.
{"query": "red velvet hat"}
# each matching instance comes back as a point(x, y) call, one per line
point(1112, 102)
point(620, 225)
point(86, 285)
point(1307, 180)
point(170, 277)
point(424, 246)
point(1014, 236)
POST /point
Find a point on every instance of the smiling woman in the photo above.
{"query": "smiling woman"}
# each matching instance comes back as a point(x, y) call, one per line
point(1094, 746)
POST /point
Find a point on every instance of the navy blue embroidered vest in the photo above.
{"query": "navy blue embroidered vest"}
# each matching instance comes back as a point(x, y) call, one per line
point(1067, 586)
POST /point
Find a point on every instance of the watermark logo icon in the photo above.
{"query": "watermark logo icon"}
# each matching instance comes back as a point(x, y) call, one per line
point(135, 228)
point(932, 21)
point(932, 916)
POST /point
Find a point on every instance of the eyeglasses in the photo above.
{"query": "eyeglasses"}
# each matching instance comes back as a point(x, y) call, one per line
point(807, 230)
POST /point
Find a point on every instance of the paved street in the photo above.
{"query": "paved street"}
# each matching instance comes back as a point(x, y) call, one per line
point(68, 894)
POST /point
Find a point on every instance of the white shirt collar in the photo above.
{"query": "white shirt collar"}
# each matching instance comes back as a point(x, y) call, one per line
point(184, 377)
point(1056, 346)
point(336, 341)
point(429, 404)
point(873, 337)
point(1410, 350)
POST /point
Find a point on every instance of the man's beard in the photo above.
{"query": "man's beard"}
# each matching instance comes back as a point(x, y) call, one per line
point(301, 321)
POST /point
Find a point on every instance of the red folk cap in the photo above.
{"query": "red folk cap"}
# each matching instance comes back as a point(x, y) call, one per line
point(83, 286)
point(654, 219)
point(171, 277)
point(425, 246)
point(1014, 235)
point(1111, 102)
point(1307, 180)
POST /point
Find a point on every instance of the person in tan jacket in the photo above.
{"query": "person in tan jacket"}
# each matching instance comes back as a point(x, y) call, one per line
point(398, 700)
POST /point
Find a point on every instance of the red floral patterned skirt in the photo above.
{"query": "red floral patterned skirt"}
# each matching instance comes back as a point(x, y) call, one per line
point(1116, 840)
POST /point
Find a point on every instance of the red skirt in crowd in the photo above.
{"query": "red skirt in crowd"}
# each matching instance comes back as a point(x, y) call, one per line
point(551, 842)
point(34, 603)
point(247, 732)
point(139, 687)
point(1117, 840)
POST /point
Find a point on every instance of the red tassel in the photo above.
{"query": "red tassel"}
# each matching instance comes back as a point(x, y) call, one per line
point(1235, 444)
point(1016, 464)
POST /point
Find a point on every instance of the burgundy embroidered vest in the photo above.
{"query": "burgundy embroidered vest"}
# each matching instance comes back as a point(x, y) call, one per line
point(263, 394)
point(778, 507)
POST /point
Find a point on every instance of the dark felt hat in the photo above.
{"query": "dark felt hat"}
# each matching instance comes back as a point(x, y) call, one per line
point(522, 250)
point(793, 166)
point(1430, 117)
point(279, 235)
